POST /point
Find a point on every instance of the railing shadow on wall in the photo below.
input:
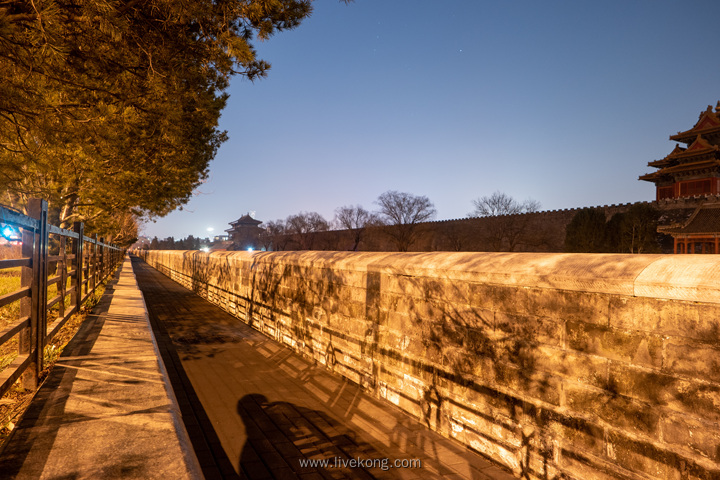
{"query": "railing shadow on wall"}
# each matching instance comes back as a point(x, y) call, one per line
point(50, 255)
point(592, 366)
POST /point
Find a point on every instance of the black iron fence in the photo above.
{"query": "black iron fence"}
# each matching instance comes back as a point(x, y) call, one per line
point(74, 263)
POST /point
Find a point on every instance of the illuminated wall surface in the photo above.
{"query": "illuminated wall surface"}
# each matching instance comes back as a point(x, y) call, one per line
point(590, 365)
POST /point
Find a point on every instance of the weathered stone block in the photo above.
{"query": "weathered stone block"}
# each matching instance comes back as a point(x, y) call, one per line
point(540, 465)
point(692, 359)
point(351, 309)
point(637, 313)
point(581, 436)
point(687, 431)
point(426, 310)
point(403, 344)
point(499, 428)
point(531, 329)
point(445, 290)
point(568, 305)
point(481, 295)
point(407, 285)
point(588, 369)
point(650, 386)
point(643, 457)
point(483, 396)
point(698, 321)
point(539, 385)
point(510, 300)
point(579, 466)
point(632, 347)
point(472, 317)
point(619, 411)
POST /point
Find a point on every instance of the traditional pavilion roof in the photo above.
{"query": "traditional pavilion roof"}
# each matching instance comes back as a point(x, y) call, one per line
point(663, 162)
point(708, 124)
point(705, 220)
point(689, 167)
point(705, 166)
point(246, 220)
point(698, 147)
point(701, 156)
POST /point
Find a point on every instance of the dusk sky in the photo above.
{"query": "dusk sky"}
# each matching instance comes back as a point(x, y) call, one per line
point(564, 102)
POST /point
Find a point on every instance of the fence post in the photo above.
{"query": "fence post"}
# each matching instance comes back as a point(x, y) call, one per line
point(26, 336)
point(102, 260)
point(35, 245)
point(94, 263)
point(78, 251)
point(63, 268)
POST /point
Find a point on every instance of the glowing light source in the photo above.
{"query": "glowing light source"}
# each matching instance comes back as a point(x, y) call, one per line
point(250, 249)
point(10, 233)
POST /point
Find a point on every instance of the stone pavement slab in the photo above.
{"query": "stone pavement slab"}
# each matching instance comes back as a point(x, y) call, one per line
point(256, 409)
point(106, 409)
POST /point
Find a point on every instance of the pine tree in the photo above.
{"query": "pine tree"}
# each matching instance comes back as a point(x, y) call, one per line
point(110, 109)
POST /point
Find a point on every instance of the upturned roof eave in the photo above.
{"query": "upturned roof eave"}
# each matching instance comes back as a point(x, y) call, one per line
point(692, 134)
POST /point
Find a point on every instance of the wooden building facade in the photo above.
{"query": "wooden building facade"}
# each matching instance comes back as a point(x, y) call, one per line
point(701, 232)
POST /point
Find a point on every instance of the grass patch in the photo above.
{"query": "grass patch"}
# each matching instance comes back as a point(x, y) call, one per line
point(9, 282)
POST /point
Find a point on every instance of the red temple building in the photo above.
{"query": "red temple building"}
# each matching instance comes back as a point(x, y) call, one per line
point(694, 169)
point(699, 234)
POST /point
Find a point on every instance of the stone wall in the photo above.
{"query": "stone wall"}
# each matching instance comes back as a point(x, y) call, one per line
point(574, 366)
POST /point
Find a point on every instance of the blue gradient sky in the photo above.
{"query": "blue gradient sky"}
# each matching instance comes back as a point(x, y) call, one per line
point(561, 101)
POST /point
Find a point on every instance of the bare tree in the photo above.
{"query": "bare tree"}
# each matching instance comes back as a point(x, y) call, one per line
point(355, 219)
point(500, 203)
point(274, 235)
point(403, 212)
point(508, 227)
point(303, 227)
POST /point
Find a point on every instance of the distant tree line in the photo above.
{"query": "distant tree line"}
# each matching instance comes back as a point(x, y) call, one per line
point(169, 243)
point(400, 223)
point(398, 216)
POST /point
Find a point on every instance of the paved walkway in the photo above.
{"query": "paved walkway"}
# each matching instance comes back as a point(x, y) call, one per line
point(255, 409)
point(105, 410)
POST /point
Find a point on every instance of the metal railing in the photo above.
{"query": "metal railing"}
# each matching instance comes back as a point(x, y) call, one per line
point(44, 252)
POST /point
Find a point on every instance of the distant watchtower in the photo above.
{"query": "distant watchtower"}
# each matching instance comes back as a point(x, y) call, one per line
point(245, 233)
point(695, 169)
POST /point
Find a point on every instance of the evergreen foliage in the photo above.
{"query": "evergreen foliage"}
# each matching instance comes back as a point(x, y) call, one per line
point(586, 232)
point(633, 231)
point(109, 108)
point(169, 243)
